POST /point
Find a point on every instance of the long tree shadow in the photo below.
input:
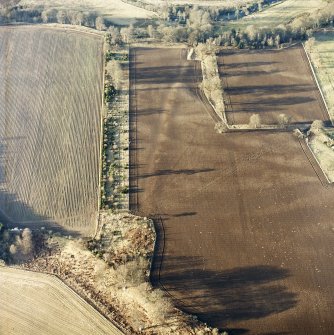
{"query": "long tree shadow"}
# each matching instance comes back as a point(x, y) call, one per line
point(221, 298)
point(167, 172)
point(11, 201)
point(16, 213)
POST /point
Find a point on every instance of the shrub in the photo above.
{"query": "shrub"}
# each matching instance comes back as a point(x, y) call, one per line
point(255, 121)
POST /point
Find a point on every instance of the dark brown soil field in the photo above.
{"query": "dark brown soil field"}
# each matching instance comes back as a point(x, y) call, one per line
point(50, 126)
point(270, 83)
point(247, 220)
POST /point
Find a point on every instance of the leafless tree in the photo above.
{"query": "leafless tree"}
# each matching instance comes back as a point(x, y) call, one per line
point(316, 126)
point(61, 17)
point(297, 133)
point(221, 127)
point(151, 31)
point(255, 121)
point(23, 247)
point(284, 120)
point(99, 23)
point(45, 16)
point(127, 34)
point(114, 36)
point(27, 242)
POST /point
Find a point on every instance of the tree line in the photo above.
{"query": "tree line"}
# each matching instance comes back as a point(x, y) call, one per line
point(13, 14)
point(186, 24)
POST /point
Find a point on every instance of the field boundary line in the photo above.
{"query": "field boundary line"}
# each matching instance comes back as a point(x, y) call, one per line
point(55, 26)
point(317, 160)
point(56, 278)
point(159, 252)
point(203, 71)
point(133, 145)
point(201, 95)
point(317, 82)
point(101, 135)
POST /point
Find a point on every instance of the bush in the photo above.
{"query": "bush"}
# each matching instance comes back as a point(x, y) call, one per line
point(255, 121)
point(109, 93)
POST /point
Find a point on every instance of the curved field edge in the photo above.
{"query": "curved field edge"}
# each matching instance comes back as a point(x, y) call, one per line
point(38, 303)
point(51, 95)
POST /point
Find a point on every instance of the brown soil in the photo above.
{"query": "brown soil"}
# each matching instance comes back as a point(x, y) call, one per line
point(269, 83)
point(244, 220)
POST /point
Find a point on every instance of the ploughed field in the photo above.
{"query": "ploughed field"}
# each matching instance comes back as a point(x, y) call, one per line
point(34, 303)
point(50, 124)
point(269, 83)
point(244, 219)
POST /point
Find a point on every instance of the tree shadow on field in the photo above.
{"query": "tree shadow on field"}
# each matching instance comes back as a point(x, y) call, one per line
point(166, 74)
point(241, 64)
point(277, 89)
point(16, 213)
point(222, 298)
point(9, 203)
point(167, 172)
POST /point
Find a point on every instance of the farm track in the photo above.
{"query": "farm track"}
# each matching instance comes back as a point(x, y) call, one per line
point(50, 127)
point(244, 220)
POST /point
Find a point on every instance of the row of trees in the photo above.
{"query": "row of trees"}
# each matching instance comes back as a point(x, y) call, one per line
point(194, 25)
point(200, 28)
point(182, 13)
point(25, 14)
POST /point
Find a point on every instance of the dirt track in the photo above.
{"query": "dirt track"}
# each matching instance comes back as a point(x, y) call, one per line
point(269, 83)
point(247, 221)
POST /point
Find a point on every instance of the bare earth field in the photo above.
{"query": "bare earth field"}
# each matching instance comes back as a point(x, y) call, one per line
point(269, 83)
point(34, 303)
point(50, 121)
point(247, 220)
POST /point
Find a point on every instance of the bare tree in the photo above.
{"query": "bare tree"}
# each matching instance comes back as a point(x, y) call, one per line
point(45, 16)
point(255, 121)
point(127, 34)
point(23, 247)
point(316, 126)
point(99, 23)
point(114, 36)
point(61, 17)
point(76, 18)
point(284, 120)
point(80, 17)
point(151, 31)
point(221, 127)
point(27, 242)
point(297, 133)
